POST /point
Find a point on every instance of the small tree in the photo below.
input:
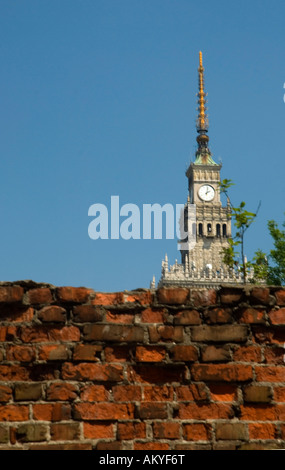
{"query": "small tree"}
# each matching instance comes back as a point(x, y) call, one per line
point(242, 221)
point(276, 273)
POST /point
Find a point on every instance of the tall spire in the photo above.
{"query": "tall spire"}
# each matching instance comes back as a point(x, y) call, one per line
point(202, 120)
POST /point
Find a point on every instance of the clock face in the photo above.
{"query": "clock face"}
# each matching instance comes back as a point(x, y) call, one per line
point(206, 192)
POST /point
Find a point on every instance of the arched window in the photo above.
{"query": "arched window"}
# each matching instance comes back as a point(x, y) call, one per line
point(218, 230)
point(200, 230)
point(209, 228)
point(224, 230)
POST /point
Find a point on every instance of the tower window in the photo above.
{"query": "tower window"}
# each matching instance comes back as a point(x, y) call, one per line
point(200, 230)
point(224, 230)
point(209, 228)
point(218, 230)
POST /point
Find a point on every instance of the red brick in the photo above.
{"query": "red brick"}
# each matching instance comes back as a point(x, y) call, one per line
point(280, 296)
point(274, 355)
point(14, 412)
point(119, 333)
point(231, 295)
point(5, 393)
point(74, 294)
point(51, 412)
point(95, 372)
point(53, 352)
point(13, 372)
point(39, 334)
point(258, 412)
point(98, 430)
point(71, 446)
point(156, 374)
point(10, 294)
point(260, 295)
point(67, 333)
point(112, 445)
point(223, 392)
point(52, 313)
point(151, 446)
point(203, 297)
point(201, 411)
point(21, 353)
point(248, 354)
point(270, 374)
point(153, 410)
point(104, 411)
point(196, 432)
point(216, 354)
point(65, 431)
point(172, 296)
point(117, 354)
point(150, 353)
point(15, 313)
point(187, 317)
point(131, 430)
point(120, 317)
point(152, 315)
point(62, 391)
point(262, 431)
point(277, 317)
point(8, 333)
point(222, 372)
point(88, 313)
point(265, 335)
point(193, 392)
point(94, 393)
point(86, 352)
point(219, 315)
point(142, 298)
point(41, 295)
point(166, 430)
point(252, 315)
point(102, 298)
point(165, 333)
point(279, 394)
point(127, 393)
point(280, 412)
point(186, 353)
point(158, 393)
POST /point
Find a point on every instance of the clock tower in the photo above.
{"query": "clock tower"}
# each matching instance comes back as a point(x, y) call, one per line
point(202, 260)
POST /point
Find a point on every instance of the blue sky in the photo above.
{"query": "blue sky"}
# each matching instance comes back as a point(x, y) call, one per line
point(98, 98)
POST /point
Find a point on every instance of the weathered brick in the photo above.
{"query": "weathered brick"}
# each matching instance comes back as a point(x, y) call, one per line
point(270, 373)
point(193, 392)
point(155, 374)
point(10, 294)
point(172, 296)
point(223, 392)
point(102, 298)
point(87, 352)
point(153, 410)
point(98, 430)
point(220, 333)
point(131, 430)
point(39, 334)
point(41, 295)
point(95, 372)
point(274, 354)
point(165, 333)
point(117, 354)
point(213, 353)
point(279, 394)
point(8, 333)
point(151, 446)
point(51, 412)
point(150, 353)
point(74, 294)
point(32, 432)
point(252, 315)
point(16, 313)
point(104, 411)
point(201, 411)
point(111, 445)
point(4, 435)
point(62, 391)
point(222, 372)
point(21, 353)
point(53, 352)
point(257, 393)
point(52, 313)
point(258, 412)
point(72, 446)
point(88, 313)
point(94, 393)
point(113, 333)
point(277, 317)
point(166, 430)
point(65, 431)
point(231, 295)
point(5, 393)
point(187, 317)
point(28, 391)
point(260, 295)
point(280, 296)
point(196, 432)
point(14, 412)
point(231, 431)
point(153, 315)
point(262, 431)
point(158, 393)
point(14, 372)
point(186, 353)
point(139, 297)
point(127, 393)
point(265, 335)
point(218, 315)
point(120, 317)
point(203, 297)
point(248, 354)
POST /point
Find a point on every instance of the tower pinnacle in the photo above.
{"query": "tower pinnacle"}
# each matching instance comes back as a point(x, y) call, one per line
point(202, 121)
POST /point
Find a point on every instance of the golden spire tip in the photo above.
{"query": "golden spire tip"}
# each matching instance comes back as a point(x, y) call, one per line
point(200, 59)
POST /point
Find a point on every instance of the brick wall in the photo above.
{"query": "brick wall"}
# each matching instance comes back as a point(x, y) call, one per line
point(165, 370)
